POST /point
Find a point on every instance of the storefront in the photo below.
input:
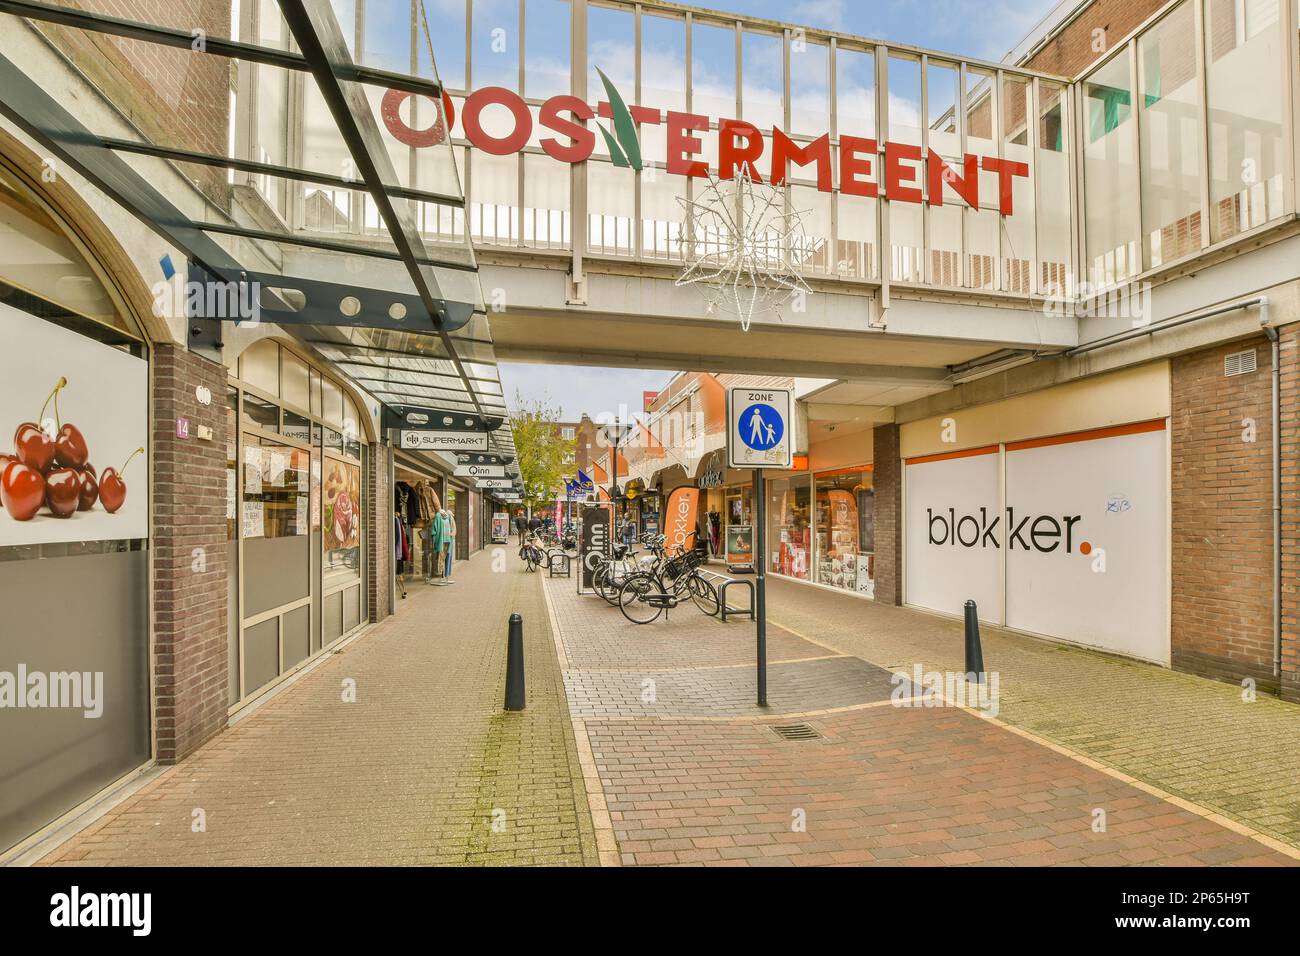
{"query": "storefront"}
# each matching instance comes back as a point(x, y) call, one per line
point(418, 492)
point(294, 508)
point(74, 530)
point(1054, 518)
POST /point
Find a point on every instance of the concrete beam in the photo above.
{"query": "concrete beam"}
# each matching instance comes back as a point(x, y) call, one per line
point(830, 412)
point(756, 365)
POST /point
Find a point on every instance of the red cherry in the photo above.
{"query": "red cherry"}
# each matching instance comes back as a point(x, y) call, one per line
point(63, 491)
point(112, 489)
point(70, 447)
point(22, 490)
point(34, 447)
point(89, 489)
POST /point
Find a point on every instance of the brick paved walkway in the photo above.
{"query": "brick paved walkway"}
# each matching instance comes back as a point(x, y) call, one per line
point(409, 774)
point(683, 768)
point(1192, 737)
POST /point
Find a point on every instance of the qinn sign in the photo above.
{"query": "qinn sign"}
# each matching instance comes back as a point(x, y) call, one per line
point(902, 167)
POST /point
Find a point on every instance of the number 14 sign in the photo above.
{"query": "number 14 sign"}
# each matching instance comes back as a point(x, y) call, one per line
point(760, 427)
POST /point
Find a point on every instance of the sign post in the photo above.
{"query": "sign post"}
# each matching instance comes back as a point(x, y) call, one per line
point(759, 436)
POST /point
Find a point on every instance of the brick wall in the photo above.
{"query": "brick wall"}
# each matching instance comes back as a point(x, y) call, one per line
point(1290, 431)
point(189, 554)
point(1094, 32)
point(177, 97)
point(888, 485)
point(1222, 534)
point(379, 544)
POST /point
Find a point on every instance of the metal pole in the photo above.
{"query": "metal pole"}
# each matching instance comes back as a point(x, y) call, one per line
point(760, 589)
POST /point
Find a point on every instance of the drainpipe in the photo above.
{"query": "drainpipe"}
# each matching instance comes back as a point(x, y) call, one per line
point(1277, 487)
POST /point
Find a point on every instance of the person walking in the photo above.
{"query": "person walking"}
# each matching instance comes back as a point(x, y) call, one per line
point(521, 525)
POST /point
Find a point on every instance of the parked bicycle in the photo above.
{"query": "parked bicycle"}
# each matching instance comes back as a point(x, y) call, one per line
point(532, 553)
point(646, 594)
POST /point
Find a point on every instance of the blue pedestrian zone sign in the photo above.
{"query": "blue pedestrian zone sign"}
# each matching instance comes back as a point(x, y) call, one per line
point(759, 427)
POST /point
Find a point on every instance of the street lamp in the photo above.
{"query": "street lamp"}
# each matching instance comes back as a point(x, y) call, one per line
point(615, 433)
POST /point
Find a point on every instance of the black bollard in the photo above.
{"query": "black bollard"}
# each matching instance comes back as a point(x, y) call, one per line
point(515, 695)
point(974, 653)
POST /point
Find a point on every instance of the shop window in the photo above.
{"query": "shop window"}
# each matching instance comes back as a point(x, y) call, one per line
point(789, 537)
point(295, 381)
point(260, 412)
point(331, 401)
point(259, 366)
point(845, 518)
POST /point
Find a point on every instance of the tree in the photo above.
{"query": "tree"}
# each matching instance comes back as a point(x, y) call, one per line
point(541, 450)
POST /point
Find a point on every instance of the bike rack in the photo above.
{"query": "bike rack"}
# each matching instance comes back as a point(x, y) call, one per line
point(724, 609)
point(557, 568)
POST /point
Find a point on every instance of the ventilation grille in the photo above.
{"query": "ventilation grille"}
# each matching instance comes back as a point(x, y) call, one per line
point(796, 732)
point(1239, 363)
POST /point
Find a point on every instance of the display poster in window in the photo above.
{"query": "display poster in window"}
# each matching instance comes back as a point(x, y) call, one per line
point(300, 516)
point(77, 467)
point(276, 469)
point(230, 494)
point(340, 500)
point(254, 519)
point(252, 470)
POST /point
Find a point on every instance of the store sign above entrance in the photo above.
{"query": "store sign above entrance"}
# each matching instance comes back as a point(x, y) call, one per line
point(866, 167)
point(759, 427)
point(427, 440)
point(480, 471)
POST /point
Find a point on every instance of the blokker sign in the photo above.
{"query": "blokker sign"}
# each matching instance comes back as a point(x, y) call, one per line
point(1043, 533)
point(865, 167)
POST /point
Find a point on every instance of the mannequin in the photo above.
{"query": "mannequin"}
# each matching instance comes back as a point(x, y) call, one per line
point(449, 525)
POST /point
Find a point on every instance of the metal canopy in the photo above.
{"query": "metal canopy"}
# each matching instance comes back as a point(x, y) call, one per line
point(349, 264)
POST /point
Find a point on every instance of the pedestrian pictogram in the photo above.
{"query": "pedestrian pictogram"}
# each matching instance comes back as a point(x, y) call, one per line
point(761, 427)
point(759, 431)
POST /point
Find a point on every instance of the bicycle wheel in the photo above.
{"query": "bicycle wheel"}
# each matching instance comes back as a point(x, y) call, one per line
point(603, 584)
point(705, 595)
point(632, 598)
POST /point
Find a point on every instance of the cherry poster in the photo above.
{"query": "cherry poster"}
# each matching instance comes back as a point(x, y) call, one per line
point(73, 437)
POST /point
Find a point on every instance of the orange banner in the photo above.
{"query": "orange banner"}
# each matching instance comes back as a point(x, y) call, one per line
point(680, 514)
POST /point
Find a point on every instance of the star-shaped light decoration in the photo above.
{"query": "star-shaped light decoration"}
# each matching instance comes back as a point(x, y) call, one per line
point(742, 245)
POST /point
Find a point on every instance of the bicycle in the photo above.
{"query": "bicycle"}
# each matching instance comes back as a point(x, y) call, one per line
point(648, 593)
point(531, 553)
point(609, 573)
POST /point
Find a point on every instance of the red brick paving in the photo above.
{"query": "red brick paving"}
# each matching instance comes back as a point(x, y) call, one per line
point(888, 786)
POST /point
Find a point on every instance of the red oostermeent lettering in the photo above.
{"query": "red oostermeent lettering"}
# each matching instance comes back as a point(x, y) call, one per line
point(785, 151)
point(856, 156)
point(966, 186)
point(1006, 169)
point(897, 176)
point(731, 156)
point(497, 95)
point(581, 140)
point(682, 145)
